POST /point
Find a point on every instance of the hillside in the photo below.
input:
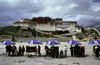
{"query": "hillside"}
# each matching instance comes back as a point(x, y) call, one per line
point(41, 33)
point(86, 33)
point(15, 31)
point(10, 30)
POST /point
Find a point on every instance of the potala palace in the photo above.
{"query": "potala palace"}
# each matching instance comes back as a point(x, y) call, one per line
point(48, 24)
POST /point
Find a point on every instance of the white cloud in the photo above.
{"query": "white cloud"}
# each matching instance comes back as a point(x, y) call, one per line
point(73, 5)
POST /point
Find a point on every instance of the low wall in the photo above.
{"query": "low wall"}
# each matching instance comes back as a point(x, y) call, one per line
point(43, 39)
point(5, 37)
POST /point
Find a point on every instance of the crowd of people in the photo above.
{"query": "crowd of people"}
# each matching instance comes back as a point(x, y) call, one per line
point(77, 51)
point(49, 51)
point(13, 50)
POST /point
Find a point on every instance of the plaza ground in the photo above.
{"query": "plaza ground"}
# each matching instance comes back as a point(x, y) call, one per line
point(24, 60)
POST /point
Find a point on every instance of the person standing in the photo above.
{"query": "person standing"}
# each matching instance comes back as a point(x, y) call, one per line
point(75, 50)
point(61, 54)
point(27, 48)
point(83, 50)
point(46, 49)
point(53, 51)
point(6, 48)
point(97, 52)
point(9, 50)
point(16, 51)
point(20, 50)
point(23, 49)
point(13, 50)
point(71, 49)
point(39, 49)
point(65, 50)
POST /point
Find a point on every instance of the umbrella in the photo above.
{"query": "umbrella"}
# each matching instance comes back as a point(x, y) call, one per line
point(34, 42)
point(94, 42)
point(73, 42)
point(52, 42)
point(8, 43)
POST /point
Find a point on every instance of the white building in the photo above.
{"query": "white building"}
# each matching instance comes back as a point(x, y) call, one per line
point(24, 23)
point(51, 25)
point(46, 27)
point(68, 25)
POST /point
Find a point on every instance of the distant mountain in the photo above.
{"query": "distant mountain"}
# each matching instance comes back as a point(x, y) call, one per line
point(98, 28)
point(1, 26)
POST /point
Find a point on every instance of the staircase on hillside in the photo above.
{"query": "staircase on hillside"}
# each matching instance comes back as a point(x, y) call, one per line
point(48, 33)
point(97, 31)
point(42, 32)
point(72, 32)
point(19, 32)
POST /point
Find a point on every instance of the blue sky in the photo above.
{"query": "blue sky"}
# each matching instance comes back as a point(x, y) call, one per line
point(85, 12)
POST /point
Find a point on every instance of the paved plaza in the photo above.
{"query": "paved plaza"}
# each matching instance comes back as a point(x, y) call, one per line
point(24, 60)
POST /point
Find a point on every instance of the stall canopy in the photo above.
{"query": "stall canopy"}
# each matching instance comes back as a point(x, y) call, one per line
point(52, 42)
point(74, 42)
point(8, 43)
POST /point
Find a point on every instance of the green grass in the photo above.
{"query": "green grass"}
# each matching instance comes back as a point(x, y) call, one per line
point(4, 33)
point(12, 29)
point(33, 32)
